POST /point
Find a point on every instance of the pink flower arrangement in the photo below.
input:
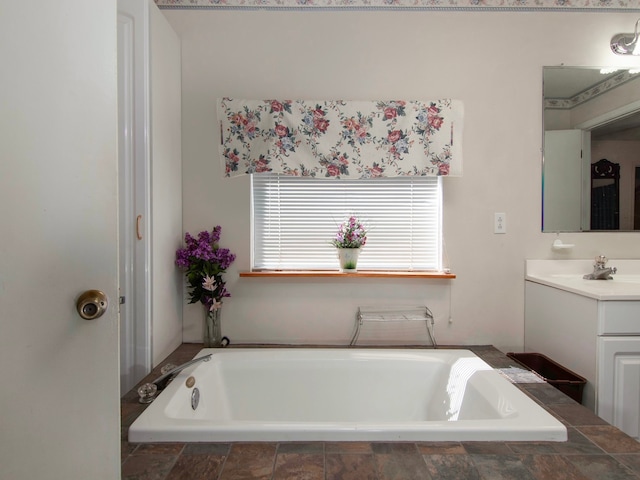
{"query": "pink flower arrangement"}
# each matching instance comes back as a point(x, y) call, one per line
point(351, 234)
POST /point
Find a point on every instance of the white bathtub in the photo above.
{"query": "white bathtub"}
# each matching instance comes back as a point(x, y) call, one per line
point(315, 394)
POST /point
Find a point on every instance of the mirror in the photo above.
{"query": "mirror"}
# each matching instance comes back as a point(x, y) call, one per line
point(591, 115)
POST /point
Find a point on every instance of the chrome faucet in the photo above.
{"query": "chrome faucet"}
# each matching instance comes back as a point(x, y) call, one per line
point(600, 271)
point(148, 391)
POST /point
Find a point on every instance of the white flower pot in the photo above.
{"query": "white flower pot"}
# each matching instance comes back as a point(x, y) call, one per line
point(348, 259)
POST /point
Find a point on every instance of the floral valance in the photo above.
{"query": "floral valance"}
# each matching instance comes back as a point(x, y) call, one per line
point(341, 139)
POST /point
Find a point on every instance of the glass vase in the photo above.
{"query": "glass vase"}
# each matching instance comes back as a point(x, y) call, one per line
point(212, 328)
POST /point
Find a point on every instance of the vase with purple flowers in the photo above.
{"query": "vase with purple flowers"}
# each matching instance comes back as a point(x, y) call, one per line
point(205, 262)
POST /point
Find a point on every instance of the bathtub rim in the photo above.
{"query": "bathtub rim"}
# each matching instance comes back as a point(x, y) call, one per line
point(540, 425)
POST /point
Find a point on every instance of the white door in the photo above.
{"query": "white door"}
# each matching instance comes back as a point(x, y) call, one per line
point(59, 403)
point(563, 180)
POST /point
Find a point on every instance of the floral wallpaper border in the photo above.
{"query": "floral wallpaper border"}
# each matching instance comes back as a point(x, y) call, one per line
point(461, 5)
point(602, 87)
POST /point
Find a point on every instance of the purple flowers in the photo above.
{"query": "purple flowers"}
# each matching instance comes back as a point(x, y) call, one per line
point(351, 234)
point(205, 263)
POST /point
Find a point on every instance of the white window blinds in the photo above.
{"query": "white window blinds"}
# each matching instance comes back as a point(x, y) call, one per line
point(294, 220)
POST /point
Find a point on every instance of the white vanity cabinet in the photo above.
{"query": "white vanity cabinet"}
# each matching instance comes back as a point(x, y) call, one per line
point(618, 401)
point(592, 327)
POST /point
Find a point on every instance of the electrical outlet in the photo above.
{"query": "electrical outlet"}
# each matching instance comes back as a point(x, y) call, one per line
point(500, 223)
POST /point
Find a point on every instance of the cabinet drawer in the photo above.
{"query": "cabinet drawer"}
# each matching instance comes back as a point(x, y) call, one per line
point(619, 317)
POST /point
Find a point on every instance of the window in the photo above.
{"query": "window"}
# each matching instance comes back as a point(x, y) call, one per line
point(295, 218)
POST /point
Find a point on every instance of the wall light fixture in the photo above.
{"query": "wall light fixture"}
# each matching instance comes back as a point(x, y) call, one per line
point(626, 43)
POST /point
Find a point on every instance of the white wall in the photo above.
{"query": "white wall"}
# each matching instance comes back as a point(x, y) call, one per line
point(491, 61)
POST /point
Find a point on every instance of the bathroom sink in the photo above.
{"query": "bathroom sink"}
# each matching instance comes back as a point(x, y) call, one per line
point(626, 279)
point(615, 278)
point(568, 275)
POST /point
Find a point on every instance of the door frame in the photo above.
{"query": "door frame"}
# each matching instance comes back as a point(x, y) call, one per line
point(134, 193)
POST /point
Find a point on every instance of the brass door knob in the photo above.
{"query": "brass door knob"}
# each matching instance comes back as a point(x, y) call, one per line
point(92, 304)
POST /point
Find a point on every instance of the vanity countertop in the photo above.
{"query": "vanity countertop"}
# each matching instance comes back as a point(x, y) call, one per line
point(567, 275)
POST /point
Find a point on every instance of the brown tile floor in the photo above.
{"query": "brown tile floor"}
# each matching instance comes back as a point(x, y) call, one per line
point(595, 450)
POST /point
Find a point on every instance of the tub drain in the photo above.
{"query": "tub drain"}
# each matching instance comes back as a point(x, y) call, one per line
point(195, 398)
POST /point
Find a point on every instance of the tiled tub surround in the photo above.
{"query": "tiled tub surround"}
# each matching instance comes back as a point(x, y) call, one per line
point(595, 450)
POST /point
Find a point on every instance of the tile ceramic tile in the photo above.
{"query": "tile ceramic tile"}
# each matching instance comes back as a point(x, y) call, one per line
point(249, 461)
point(497, 360)
point(348, 447)
point(196, 467)
point(299, 466)
point(350, 466)
point(576, 414)
point(401, 466)
point(532, 447)
point(147, 467)
point(160, 449)
point(451, 467)
point(221, 449)
point(551, 467)
point(501, 467)
point(601, 467)
point(389, 448)
point(129, 412)
point(441, 448)
point(126, 449)
point(547, 394)
point(610, 439)
point(301, 447)
point(576, 443)
point(630, 460)
point(487, 448)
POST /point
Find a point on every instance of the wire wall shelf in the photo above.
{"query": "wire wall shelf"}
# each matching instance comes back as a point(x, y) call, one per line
point(393, 315)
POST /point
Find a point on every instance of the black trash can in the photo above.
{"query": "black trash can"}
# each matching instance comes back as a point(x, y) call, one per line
point(553, 373)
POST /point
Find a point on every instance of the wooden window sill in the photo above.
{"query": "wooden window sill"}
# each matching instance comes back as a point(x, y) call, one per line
point(336, 274)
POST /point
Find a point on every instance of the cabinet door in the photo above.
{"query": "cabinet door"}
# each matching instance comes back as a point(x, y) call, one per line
point(619, 383)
